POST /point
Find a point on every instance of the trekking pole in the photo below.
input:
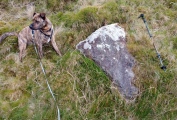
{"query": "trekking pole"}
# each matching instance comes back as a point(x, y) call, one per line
point(158, 54)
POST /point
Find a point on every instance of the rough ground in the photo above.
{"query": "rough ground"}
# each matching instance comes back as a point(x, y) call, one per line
point(82, 89)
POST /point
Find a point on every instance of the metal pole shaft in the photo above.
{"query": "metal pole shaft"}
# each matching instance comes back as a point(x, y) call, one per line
point(158, 54)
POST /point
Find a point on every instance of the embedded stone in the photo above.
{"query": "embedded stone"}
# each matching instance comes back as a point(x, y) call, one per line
point(107, 48)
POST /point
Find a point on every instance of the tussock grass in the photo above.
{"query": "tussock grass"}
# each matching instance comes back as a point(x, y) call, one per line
point(82, 89)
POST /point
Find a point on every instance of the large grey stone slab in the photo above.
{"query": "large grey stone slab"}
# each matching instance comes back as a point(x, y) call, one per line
point(107, 47)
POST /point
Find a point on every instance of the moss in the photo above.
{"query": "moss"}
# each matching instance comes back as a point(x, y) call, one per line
point(114, 12)
point(3, 30)
point(56, 18)
point(174, 43)
point(70, 18)
point(87, 14)
point(86, 64)
point(19, 113)
point(52, 3)
point(61, 5)
point(111, 6)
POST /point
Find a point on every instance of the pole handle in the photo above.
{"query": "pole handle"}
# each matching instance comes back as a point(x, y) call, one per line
point(143, 18)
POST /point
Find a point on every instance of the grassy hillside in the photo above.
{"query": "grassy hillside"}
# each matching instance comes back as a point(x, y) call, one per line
point(83, 91)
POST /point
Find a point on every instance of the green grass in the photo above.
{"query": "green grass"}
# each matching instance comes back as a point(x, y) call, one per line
point(82, 89)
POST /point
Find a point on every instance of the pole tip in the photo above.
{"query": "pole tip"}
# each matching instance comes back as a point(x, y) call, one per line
point(163, 67)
